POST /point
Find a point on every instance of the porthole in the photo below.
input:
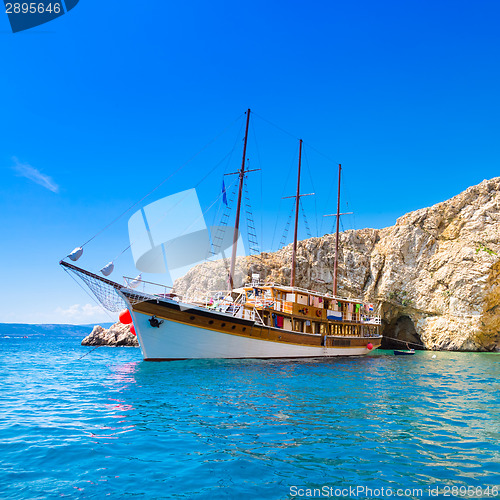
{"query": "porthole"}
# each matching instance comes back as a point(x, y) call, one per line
point(244, 328)
point(211, 322)
point(233, 327)
point(191, 318)
point(223, 325)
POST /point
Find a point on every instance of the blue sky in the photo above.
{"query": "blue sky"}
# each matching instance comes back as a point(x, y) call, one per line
point(103, 103)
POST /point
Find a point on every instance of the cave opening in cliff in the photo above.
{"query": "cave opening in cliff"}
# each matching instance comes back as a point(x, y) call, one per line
point(398, 331)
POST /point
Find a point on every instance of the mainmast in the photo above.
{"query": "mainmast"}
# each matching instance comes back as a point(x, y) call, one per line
point(297, 200)
point(336, 263)
point(238, 207)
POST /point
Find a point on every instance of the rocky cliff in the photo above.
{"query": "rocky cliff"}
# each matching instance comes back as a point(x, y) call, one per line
point(435, 273)
point(116, 335)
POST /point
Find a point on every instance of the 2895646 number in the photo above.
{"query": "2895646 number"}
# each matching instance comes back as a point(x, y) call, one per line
point(32, 8)
point(471, 491)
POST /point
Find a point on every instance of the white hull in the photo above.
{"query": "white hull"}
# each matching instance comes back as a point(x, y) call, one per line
point(175, 340)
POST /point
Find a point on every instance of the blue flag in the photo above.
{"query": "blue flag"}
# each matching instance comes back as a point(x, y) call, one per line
point(224, 197)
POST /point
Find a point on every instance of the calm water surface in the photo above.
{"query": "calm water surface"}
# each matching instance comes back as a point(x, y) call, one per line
point(111, 425)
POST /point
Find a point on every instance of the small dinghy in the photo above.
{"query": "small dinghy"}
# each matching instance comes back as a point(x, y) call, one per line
point(404, 353)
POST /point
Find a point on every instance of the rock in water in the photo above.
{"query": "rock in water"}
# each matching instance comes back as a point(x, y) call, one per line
point(117, 335)
point(436, 272)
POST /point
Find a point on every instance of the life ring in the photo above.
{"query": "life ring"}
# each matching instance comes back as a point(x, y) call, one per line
point(305, 310)
point(318, 313)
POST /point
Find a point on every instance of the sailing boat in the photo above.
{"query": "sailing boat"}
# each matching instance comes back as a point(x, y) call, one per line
point(261, 320)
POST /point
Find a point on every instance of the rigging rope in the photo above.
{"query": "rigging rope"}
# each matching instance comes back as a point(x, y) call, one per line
point(87, 353)
point(166, 179)
point(281, 199)
point(287, 227)
point(221, 230)
point(294, 136)
point(403, 341)
point(259, 161)
point(237, 139)
point(182, 199)
point(314, 190)
point(98, 302)
point(275, 126)
point(306, 223)
point(253, 245)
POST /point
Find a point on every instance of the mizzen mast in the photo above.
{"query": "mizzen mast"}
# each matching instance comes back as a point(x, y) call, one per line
point(338, 214)
point(336, 262)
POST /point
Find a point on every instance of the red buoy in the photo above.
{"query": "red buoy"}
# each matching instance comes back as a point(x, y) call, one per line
point(132, 330)
point(369, 346)
point(125, 317)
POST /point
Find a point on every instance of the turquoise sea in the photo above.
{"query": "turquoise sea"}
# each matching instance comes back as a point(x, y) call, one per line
point(110, 425)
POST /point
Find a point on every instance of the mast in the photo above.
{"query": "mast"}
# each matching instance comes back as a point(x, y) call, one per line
point(335, 265)
point(297, 200)
point(238, 207)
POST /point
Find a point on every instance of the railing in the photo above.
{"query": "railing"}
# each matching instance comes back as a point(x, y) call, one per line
point(370, 319)
point(222, 301)
point(148, 287)
point(305, 291)
point(280, 305)
point(238, 311)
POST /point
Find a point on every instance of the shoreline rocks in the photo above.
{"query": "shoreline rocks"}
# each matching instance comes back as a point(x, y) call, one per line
point(117, 335)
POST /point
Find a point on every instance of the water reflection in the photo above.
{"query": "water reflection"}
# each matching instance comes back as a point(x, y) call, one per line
point(343, 413)
point(199, 429)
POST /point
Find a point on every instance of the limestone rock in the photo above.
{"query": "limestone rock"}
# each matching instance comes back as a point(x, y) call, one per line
point(435, 274)
point(117, 335)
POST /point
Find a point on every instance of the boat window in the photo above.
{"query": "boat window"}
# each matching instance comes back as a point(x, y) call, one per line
point(301, 299)
point(250, 294)
point(298, 325)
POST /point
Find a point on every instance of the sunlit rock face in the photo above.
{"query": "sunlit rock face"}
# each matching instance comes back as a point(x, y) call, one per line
point(435, 273)
point(116, 335)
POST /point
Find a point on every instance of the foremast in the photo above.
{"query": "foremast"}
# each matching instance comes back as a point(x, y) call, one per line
point(238, 206)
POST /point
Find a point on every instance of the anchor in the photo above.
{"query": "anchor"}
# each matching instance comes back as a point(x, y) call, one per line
point(154, 322)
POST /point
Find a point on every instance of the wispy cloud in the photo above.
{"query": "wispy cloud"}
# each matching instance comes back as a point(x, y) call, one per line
point(31, 173)
point(81, 313)
point(76, 314)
